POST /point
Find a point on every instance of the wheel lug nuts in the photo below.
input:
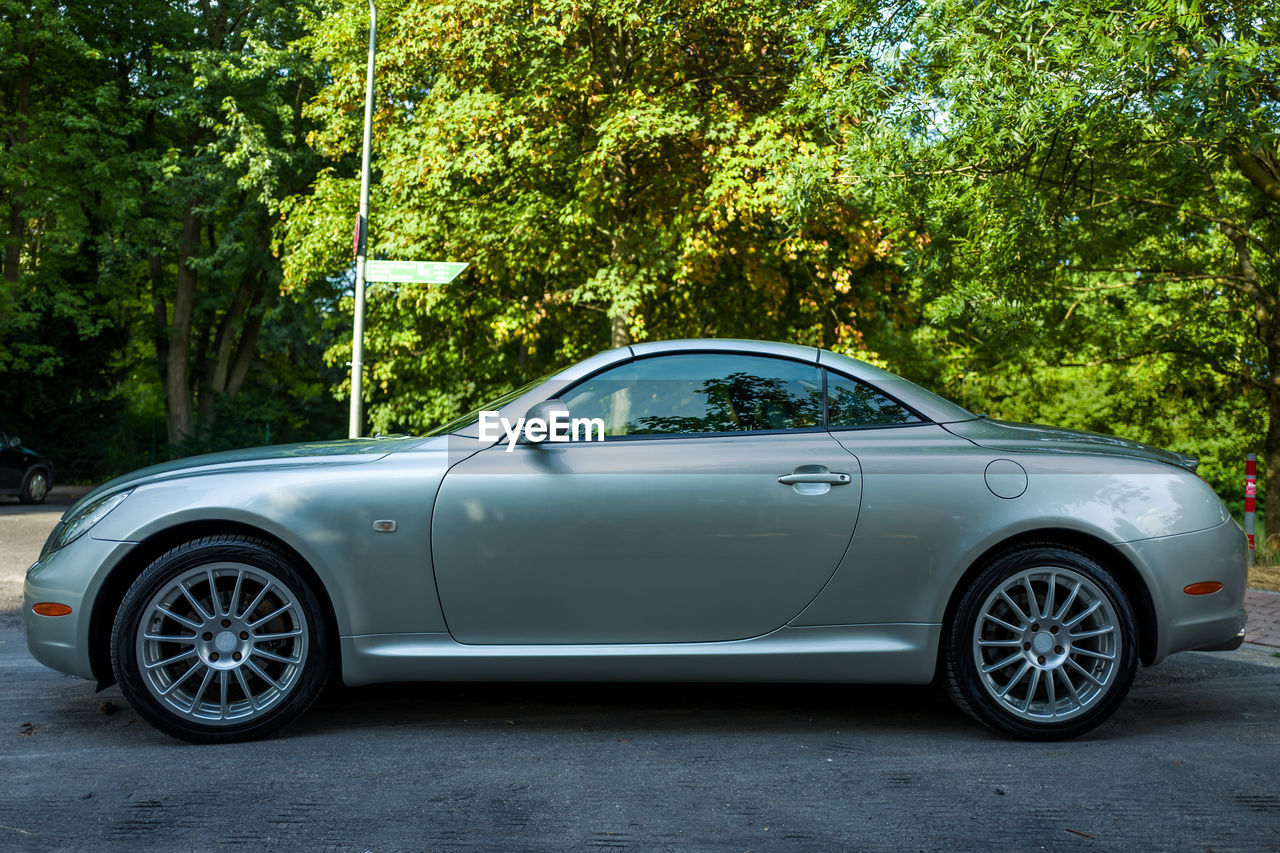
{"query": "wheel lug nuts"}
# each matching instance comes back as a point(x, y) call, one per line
point(226, 623)
point(207, 636)
point(1057, 650)
point(1035, 627)
point(235, 656)
point(1041, 658)
point(1026, 647)
point(244, 635)
point(213, 656)
point(1053, 630)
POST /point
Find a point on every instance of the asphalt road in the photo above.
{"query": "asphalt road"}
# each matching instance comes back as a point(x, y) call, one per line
point(1190, 762)
point(23, 530)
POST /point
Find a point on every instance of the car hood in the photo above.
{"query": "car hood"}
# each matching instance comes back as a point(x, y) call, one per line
point(1015, 437)
point(346, 451)
point(32, 456)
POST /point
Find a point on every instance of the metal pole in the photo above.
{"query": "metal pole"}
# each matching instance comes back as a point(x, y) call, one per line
point(356, 425)
point(1250, 497)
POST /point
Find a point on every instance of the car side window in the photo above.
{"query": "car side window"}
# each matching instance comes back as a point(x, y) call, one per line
point(852, 404)
point(701, 393)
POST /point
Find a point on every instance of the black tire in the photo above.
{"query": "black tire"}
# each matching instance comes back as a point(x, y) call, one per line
point(35, 486)
point(1069, 686)
point(256, 693)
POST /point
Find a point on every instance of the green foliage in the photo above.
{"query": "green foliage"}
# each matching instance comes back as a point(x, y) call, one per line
point(1055, 212)
point(121, 124)
point(65, 407)
point(1085, 199)
point(591, 162)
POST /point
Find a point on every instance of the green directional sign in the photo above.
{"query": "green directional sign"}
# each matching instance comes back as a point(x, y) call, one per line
point(422, 272)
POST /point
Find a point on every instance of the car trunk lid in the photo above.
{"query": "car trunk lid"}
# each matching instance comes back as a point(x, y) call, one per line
point(1023, 438)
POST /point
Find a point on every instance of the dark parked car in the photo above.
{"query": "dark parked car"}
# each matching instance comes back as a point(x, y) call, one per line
point(23, 472)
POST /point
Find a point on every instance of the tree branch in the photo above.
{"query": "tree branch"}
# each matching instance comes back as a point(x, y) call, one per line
point(1261, 172)
point(1204, 358)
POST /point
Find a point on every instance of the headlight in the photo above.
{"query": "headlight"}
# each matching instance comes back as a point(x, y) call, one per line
point(80, 523)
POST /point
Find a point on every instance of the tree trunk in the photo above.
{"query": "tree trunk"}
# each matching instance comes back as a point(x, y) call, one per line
point(177, 385)
point(195, 375)
point(619, 322)
point(219, 365)
point(618, 50)
point(244, 354)
point(160, 313)
point(1271, 451)
point(619, 329)
point(17, 137)
point(226, 333)
point(17, 231)
point(1266, 323)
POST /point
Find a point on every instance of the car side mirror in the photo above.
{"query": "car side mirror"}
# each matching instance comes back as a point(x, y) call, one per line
point(539, 421)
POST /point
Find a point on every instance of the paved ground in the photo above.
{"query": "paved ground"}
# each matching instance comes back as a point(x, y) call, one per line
point(1264, 617)
point(1188, 763)
point(23, 530)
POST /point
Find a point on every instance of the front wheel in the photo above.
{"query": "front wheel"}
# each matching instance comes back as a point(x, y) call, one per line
point(35, 487)
point(220, 639)
point(1042, 645)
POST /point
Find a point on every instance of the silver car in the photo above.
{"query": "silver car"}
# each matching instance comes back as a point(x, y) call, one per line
point(706, 510)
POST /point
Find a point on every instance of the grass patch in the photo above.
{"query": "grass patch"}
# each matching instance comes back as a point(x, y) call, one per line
point(1265, 576)
point(1265, 571)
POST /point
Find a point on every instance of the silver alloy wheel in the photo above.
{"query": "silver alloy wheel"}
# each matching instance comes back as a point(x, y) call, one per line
point(223, 643)
point(1047, 644)
point(38, 486)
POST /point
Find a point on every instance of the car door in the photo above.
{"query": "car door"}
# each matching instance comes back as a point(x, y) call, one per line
point(923, 497)
point(674, 528)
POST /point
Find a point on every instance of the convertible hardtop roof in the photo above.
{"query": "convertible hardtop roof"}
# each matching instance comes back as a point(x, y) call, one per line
point(927, 403)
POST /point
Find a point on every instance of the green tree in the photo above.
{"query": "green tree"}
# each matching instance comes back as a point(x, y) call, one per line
point(611, 170)
point(1080, 183)
point(225, 136)
point(65, 188)
point(145, 147)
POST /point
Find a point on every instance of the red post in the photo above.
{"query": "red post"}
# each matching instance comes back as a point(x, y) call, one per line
point(1250, 498)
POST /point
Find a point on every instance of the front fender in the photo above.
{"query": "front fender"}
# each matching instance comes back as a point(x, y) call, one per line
point(378, 582)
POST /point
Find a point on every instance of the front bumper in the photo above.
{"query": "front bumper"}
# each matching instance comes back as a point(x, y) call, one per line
point(1170, 563)
point(71, 576)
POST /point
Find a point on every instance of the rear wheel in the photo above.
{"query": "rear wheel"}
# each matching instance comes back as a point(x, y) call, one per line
point(221, 639)
point(1042, 645)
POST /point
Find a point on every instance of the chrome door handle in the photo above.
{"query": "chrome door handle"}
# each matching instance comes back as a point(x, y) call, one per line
point(832, 478)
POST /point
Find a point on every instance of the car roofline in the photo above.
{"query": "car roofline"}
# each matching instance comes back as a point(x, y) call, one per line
point(931, 406)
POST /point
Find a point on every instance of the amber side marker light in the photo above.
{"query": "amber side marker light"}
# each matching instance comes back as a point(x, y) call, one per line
point(1202, 588)
point(49, 608)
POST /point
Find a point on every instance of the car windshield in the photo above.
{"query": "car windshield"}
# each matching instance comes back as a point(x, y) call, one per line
point(458, 424)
